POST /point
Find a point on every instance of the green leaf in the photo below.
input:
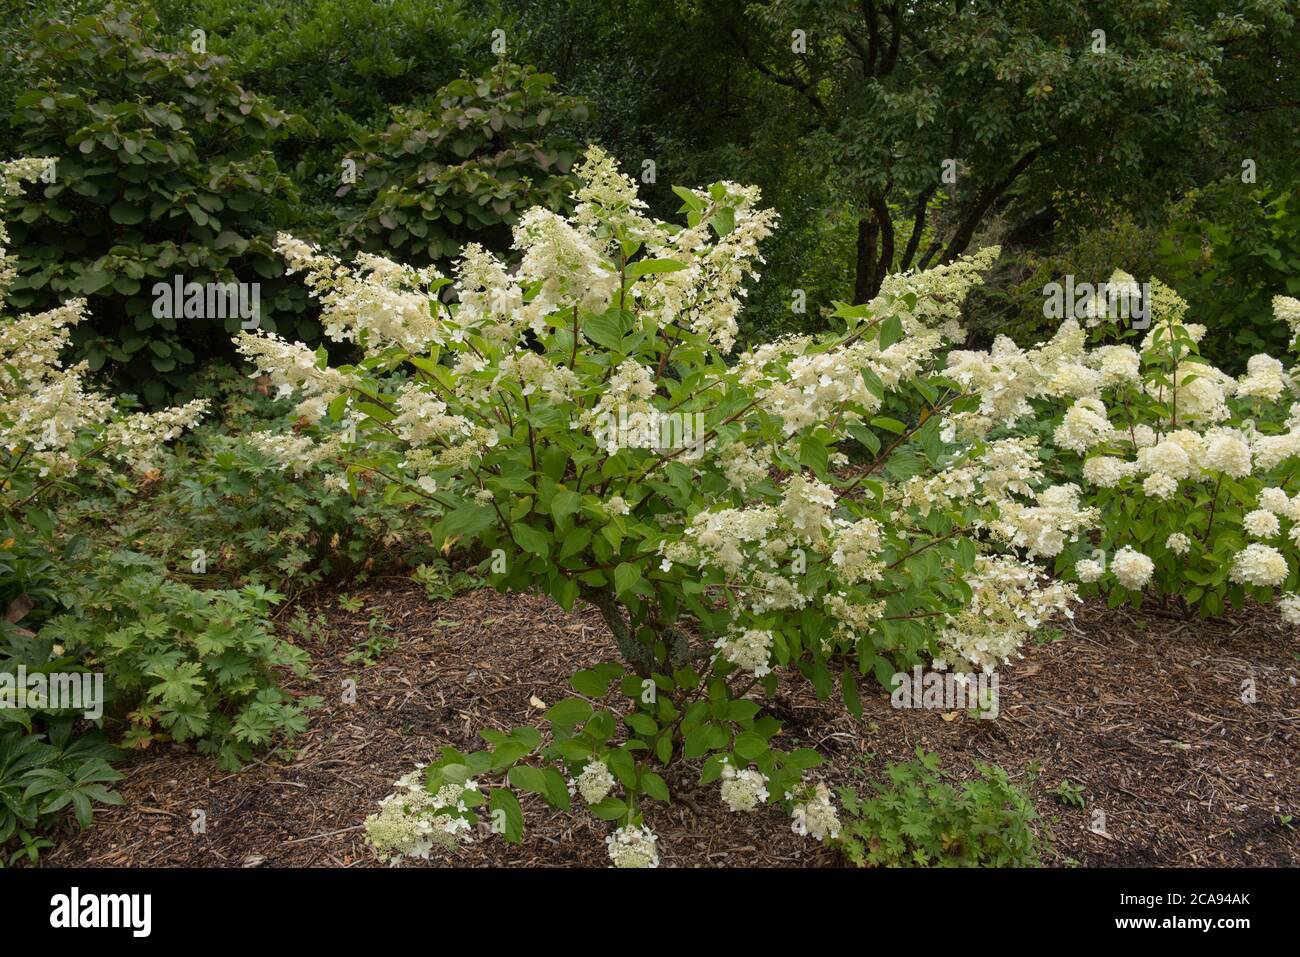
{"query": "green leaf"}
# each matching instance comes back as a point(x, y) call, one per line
point(507, 817)
point(644, 267)
point(595, 682)
point(610, 809)
point(124, 214)
point(891, 330)
point(467, 521)
point(569, 713)
point(626, 577)
point(653, 785)
point(605, 330)
point(527, 778)
point(849, 688)
point(531, 540)
point(813, 454)
point(557, 789)
point(565, 503)
point(750, 746)
point(641, 723)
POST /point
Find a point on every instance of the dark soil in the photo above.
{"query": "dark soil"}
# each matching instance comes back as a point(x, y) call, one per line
point(1142, 711)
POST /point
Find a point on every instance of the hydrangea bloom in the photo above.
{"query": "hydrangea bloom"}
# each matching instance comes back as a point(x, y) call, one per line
point(1131, 568)
point(1260, 565)
point(631, 846)
point(595, 782)
point(743, 789)
point(815, 816)
point(410, 821)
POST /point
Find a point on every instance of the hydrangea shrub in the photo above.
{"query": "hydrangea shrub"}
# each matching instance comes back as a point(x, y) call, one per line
point(216, 685)
point(1186, 475)
point(830, 508)
point(53, 425)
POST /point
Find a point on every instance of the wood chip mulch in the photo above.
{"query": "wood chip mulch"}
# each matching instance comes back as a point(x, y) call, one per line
point(1142, 710)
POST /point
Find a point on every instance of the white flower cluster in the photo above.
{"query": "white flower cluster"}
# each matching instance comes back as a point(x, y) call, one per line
point(805, 384)
point(632, 846)
point(1260, 565)
point(1131, 568)
point(595, 782)
point(1009, 600)
point(1046, 527)
point(1287, 311)
point(748, 649)
point(743, 789)
point(813, 814)
point(377, 305)
point(410, 821)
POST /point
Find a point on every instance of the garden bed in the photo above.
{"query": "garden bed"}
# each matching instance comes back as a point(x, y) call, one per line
point(1141, 710)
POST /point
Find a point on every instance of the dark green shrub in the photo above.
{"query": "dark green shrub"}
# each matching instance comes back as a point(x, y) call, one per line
point(920, 820)
point(342, 65)
point(465, 166)
point(163, 170)
point(1234, 248)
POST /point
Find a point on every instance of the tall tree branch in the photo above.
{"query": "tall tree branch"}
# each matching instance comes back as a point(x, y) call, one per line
point(919, 211)
point(984, 200)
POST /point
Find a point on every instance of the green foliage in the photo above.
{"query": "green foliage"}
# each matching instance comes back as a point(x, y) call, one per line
point(41, 775)
point(1230, 251)
point(1042, 126)
point(648, 727)
point(163, 170)
point(920, 820)
point(377, 643)
point(464, 167)
point(254, 521)
point(1070, 794)
point(194, 665)
point(342, 65)
point(441, 581)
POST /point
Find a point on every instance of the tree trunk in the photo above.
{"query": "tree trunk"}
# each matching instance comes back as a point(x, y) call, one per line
point(866, 282)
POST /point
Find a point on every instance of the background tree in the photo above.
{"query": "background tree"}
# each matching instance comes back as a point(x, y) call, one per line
point(163, 169)
point(1018, 103)
point(465, 166)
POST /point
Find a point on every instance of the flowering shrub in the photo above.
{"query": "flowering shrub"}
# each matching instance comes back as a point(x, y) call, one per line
point(214, 495)
point(1185, 474)
point(52, 426)
point(795, 510)
point(193, 664)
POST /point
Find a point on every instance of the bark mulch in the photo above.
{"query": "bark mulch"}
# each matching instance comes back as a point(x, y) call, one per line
point(1142, 710)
